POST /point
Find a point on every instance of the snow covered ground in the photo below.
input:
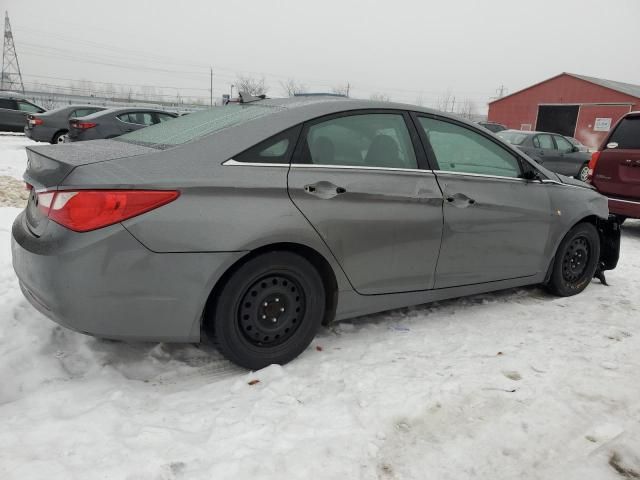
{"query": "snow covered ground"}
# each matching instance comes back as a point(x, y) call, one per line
point(516, 384)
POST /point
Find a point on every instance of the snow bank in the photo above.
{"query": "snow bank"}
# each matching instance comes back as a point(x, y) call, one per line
point(13, 158)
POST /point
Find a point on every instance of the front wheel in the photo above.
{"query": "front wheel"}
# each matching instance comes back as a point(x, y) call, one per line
point(583, 174)
point(268, 311)
point(576, 261)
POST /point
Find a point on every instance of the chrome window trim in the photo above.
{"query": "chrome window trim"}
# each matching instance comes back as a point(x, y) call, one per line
point(480, 175)
point(234, 163)
point(360, 167)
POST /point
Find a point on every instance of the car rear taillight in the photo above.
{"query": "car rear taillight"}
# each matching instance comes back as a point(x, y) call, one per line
point(595, 156)
point(33, 121)
point(83, 125)
point(85, 210)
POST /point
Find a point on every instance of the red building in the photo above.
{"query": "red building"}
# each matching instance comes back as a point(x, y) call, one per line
point(572, 105)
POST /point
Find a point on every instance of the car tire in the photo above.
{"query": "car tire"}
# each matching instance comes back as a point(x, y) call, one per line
point(268, 311)
point(583, 173)
point(575, 261)
point(59, 137)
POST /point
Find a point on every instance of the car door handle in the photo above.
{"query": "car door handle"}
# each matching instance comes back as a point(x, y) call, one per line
point(460, 200)
point(324, 189)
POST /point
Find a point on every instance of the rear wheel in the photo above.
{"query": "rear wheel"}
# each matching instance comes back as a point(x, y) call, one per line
point(59, 137)
point(576, 261)
point(268, 311)
point(583, 174)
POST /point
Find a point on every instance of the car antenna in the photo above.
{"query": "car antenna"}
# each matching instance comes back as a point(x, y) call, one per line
point(248, 98)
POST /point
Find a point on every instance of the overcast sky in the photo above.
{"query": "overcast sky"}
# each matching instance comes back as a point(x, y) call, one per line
point(408, 50)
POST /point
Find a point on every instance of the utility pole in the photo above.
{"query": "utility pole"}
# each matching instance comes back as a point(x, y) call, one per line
point(11, 76)
point(211, 90)
point(348, 88)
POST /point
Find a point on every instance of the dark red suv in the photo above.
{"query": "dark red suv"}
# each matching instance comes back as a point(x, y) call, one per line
point(615, 168)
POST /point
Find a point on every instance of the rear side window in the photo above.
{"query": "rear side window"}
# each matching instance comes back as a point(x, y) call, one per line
point(163, 117)
point(365, 140)
point(459, 149)
point(8, 104)
point(276, 149)
point(28, 107)
point(83, 112)
point(627, 134)
point(198, 124)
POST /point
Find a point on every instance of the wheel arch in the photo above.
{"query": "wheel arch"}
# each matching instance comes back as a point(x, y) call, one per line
point(594, 220)
point(60, 131)
point(319, 262)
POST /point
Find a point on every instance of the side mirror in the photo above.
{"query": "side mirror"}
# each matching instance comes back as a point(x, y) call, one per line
point(574, 149)
point(531, 175)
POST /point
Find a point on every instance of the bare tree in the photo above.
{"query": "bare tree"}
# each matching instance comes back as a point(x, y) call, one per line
point(466, 109)
point(419, 100)
point(291, 87)
point(380, 97)
point(341, 89)
point(446, 102)
point(250, 85)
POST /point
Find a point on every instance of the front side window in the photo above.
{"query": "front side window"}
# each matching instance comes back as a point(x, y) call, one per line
point(365, 140)
point(543, 141)
point(627, 134)
point(459, 149)
point(28, 107)
point(564, 146)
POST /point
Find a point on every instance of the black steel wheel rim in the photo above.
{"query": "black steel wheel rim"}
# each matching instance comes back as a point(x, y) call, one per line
point(576, 259)
point(271, 310)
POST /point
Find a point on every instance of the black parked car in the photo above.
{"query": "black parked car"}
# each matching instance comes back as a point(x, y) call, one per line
point(493, 126)
point(114, 122)
point(551, 150)
point(14, 109)
point(52, 126)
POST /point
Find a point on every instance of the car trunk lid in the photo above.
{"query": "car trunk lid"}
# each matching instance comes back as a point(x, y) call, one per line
point(47, 167)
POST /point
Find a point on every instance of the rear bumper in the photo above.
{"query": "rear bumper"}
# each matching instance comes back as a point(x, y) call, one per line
point(39, 134)
point(626, 208)
point(105, 283)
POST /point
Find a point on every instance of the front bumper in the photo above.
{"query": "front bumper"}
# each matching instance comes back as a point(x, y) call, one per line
point(625, 208)
point(107, 284)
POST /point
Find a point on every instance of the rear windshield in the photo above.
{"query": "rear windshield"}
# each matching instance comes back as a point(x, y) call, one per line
point(514, 138)
point(627, 134)
point(196, 125)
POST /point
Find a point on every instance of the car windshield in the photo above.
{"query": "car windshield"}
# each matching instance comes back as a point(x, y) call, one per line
point(196, 125)
point(514, 138)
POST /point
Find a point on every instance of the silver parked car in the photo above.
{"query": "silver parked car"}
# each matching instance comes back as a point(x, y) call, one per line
point(52, 126)
point(258, 222)
point(113, 122)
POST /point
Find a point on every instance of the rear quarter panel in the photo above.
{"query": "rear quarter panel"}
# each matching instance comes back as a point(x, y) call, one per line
point(220, 208)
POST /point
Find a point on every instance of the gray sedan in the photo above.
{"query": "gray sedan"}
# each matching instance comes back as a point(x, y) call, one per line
point(552, 150)
point(256, 223)
point(52, 126)
point(114, 122)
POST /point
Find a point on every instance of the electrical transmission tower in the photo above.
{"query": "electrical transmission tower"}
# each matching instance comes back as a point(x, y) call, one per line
point(11, 76)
